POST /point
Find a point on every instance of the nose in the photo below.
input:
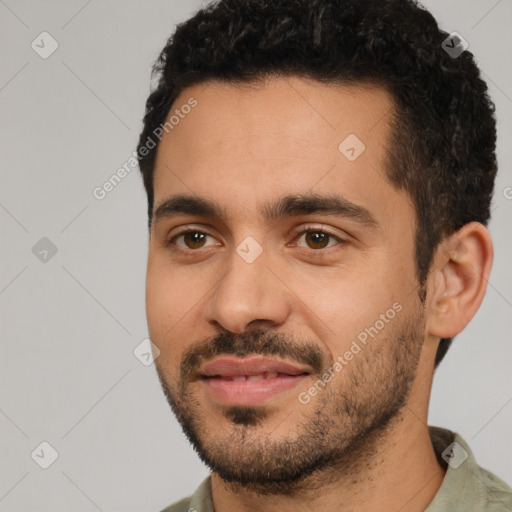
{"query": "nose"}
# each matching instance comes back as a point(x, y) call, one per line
point(249, 295)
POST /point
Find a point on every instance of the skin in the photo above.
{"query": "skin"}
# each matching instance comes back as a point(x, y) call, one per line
point(242, 147)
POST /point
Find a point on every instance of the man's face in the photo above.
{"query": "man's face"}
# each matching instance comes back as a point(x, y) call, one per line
point(253, 294)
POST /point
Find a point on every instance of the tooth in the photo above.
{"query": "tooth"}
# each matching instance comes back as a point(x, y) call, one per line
point(270, 375)
point(239, 378)
point(255, 377)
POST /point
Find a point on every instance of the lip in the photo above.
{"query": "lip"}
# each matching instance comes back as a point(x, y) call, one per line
point(235, 366)
point(265, 379)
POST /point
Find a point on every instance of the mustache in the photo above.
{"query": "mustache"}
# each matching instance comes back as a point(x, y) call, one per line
point(257, 342)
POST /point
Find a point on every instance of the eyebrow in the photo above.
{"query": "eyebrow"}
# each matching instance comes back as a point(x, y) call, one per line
point(287, 206)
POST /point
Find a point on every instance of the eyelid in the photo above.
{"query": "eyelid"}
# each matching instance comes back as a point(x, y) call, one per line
point(170, 239)
point(313, 227)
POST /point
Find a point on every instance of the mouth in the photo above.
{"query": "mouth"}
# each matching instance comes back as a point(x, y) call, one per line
point(252, 377)
point(249, 381)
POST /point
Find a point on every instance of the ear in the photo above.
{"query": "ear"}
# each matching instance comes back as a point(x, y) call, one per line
point(458, 279)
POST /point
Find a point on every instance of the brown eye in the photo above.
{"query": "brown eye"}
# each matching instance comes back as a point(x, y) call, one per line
point(192, 239)
point(316, 239)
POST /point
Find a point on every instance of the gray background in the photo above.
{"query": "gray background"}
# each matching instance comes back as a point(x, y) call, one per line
point(70, 324)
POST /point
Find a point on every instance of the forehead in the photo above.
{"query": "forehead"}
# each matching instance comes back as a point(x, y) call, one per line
point(242, 145)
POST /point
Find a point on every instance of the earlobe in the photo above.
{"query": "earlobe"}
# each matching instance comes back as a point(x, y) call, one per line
point(459, 278)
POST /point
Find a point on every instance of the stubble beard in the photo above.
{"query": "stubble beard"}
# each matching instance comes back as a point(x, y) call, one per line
point(336, 434)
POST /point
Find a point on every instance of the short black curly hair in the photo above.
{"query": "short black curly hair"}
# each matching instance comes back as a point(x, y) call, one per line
point(442, 151)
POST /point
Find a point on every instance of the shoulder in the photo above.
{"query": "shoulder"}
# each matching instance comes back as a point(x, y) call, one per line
point(200, 501)
point(467, 486)
point(497, 495)
point(180, 506)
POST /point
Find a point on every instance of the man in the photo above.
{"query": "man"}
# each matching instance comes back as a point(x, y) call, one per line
point(319, 174)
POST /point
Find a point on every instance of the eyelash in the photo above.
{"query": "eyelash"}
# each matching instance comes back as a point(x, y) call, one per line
point(172, 241)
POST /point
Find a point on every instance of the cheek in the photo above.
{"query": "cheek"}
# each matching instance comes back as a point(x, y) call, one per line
point(342, 305)
point(163, 325)
point(156, 300)
point(164, 300)
point(173, 300)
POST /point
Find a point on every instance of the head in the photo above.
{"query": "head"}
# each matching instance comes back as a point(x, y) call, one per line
point(347, 114)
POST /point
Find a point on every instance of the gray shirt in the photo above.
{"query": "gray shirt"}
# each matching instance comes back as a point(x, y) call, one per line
point(467, 487)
